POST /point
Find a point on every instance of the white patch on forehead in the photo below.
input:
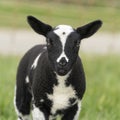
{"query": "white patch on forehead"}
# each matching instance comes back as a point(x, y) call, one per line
point(34, 65)
point(61, 94)
point(66, 29)
point(63, 31)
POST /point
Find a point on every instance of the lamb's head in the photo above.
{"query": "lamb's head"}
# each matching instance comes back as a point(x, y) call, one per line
point(63, 42)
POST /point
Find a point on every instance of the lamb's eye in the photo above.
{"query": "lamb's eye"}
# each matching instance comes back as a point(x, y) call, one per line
point(49, 41)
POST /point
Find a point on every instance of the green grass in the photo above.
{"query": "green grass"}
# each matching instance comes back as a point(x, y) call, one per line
point(101, 100)
point(8, 65)
point(13, 14)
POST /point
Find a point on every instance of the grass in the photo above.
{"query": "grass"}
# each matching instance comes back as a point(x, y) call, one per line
point(13, 14)
point(8, 66)
point(101, 100)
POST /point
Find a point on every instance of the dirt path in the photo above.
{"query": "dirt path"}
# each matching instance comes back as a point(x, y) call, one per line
point(19, 41)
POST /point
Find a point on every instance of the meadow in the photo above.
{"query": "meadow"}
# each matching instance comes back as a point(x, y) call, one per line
point(101, 100)
point(13, 14)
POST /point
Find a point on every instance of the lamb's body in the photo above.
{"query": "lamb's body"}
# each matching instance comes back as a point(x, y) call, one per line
point(50, 78)
point(37, 81)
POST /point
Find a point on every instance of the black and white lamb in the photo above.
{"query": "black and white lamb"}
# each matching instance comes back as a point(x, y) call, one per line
point(50, 78)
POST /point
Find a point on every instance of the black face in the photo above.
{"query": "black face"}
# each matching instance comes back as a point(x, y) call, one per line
point(55, 49)
point(61, 59)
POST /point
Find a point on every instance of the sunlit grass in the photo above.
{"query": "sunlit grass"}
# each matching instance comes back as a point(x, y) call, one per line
point(101, 101)
point(8, 65)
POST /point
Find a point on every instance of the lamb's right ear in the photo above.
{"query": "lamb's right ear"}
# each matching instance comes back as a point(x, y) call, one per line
point(38, 26)
point(89, 29)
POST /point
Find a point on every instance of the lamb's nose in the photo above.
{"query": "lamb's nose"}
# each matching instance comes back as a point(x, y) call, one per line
point(63, 61)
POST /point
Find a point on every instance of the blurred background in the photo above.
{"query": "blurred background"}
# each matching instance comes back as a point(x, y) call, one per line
point(100, 53)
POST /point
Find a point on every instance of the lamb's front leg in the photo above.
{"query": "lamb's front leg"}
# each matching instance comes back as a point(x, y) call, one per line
point(39, 114)
point(72, 113)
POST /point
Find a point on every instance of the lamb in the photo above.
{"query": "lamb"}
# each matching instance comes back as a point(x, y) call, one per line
point(50, 78)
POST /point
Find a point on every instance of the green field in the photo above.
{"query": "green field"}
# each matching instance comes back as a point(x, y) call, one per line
point(13, 14)
point(101, 100)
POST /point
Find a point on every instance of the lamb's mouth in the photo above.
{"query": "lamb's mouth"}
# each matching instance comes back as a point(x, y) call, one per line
point(62, 72)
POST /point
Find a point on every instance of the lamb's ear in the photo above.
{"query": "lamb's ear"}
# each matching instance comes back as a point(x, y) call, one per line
point(38, 26)
point(89, 29)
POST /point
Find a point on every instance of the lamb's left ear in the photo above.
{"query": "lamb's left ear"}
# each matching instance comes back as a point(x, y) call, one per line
point(38, 26)
point(89, 29)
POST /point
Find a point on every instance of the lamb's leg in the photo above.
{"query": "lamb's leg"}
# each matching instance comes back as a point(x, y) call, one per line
point(22, 102)
point(39, 114)
point(72, 113)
